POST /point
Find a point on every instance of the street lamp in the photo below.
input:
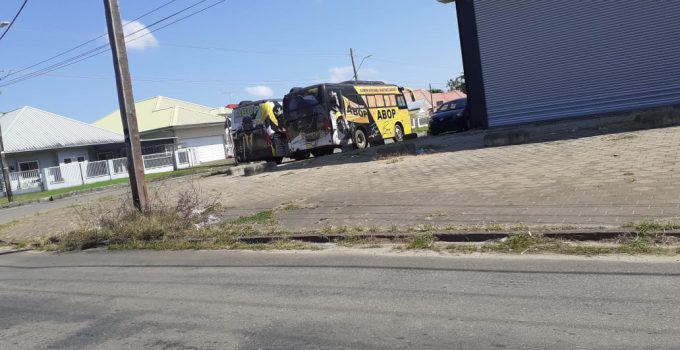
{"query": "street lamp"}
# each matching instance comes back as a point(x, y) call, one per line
point(361, 64)
point(4, 24)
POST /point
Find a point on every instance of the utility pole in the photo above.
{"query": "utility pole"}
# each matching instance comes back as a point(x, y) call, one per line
point(5, 170)
point(354, 66)
point(140, 196)
point(431, 98)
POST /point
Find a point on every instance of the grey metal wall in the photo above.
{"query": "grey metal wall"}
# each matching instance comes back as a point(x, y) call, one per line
point(552, 59)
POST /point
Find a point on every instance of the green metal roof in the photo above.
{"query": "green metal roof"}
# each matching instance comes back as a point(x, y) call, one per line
point(163, 112)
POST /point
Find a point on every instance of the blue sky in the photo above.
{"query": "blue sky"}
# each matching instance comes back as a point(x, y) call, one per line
point(240, 49)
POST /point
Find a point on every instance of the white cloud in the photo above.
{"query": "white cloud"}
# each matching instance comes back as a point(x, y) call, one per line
point(340, 74)
point(260, 91)
point(142, 39)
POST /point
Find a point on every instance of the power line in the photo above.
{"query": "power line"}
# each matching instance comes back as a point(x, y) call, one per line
point(248, 51)
point(189, 81)
point(85, 43)
point(104, 48)
point(14, 19)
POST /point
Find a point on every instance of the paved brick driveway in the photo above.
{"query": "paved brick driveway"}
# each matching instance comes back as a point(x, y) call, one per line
point(594, 181)
point(606, 180)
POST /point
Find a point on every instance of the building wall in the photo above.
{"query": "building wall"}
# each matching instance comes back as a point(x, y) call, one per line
point(45, 159)
point(73, 154)
point(554, 59)
point(200, 131)
point(209, 141)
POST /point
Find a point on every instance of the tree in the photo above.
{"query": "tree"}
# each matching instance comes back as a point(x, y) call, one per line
point(436, 91)
point(457, 84)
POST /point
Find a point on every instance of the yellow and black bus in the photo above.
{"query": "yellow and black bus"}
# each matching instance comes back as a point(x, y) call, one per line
point(257, 133)
point(323, 117)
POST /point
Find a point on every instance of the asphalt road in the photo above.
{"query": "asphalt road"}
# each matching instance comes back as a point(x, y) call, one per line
point(329, 300)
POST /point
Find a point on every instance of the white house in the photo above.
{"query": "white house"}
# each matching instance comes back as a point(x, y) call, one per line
point(169, 122)
point(35, 140)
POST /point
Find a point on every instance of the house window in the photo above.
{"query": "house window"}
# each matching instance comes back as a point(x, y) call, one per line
point(67, 160)
point(105, 155)
point(28, 166)
point(81, 159)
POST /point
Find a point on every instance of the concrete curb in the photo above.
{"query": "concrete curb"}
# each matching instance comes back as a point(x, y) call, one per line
point(451, 237)
point(247, 169)
point(12, 251)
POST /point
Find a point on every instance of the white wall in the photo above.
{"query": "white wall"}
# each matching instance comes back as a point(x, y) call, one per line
point(211, 134)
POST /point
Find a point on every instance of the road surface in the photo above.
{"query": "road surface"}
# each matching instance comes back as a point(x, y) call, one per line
point(334, 300)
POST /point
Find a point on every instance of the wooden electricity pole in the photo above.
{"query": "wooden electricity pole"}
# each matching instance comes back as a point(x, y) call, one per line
point(354, 66)
point(128, 115)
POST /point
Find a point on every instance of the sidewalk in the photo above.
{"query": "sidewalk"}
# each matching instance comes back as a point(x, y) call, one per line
point(602, 181)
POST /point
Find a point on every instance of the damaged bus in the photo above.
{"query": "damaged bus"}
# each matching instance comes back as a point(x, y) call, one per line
point(257, 132)
point(323, 117)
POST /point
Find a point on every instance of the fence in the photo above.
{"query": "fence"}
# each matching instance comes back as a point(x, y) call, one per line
point(160, 160)
point(97, 169)
point(77, 174)
point(24, 181)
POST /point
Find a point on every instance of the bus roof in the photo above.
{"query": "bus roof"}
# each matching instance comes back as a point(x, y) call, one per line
point(258, 102)
point(344, 83)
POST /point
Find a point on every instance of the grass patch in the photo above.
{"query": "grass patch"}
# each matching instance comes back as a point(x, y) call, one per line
point(354, 241)
point(524, 243)
point(88, 187)
point(233, 244)
point(291, 206)
point(422, 241)
point(646, 227)
point(394, 160)
point(264, 217)
point(624, 137)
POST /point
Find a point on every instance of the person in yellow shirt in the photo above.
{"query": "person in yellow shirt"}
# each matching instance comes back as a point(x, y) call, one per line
point(270, 113)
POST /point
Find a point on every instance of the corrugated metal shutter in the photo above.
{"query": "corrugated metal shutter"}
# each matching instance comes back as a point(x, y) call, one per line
point(552, 59)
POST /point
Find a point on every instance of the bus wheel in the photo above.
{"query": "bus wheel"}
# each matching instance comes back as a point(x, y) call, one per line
point(278, 160)
point(398, 133)
point(360, 139)
point(301, 155)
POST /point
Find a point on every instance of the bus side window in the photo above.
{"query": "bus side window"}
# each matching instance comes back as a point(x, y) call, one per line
point(380, 101)
point(401, 102)
point(390, 101)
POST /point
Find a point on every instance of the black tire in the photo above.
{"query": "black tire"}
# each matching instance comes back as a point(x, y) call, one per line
point(398, 133)
point(278, 160)
point(318, 153)
point(360, 139)
point(301, 155)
